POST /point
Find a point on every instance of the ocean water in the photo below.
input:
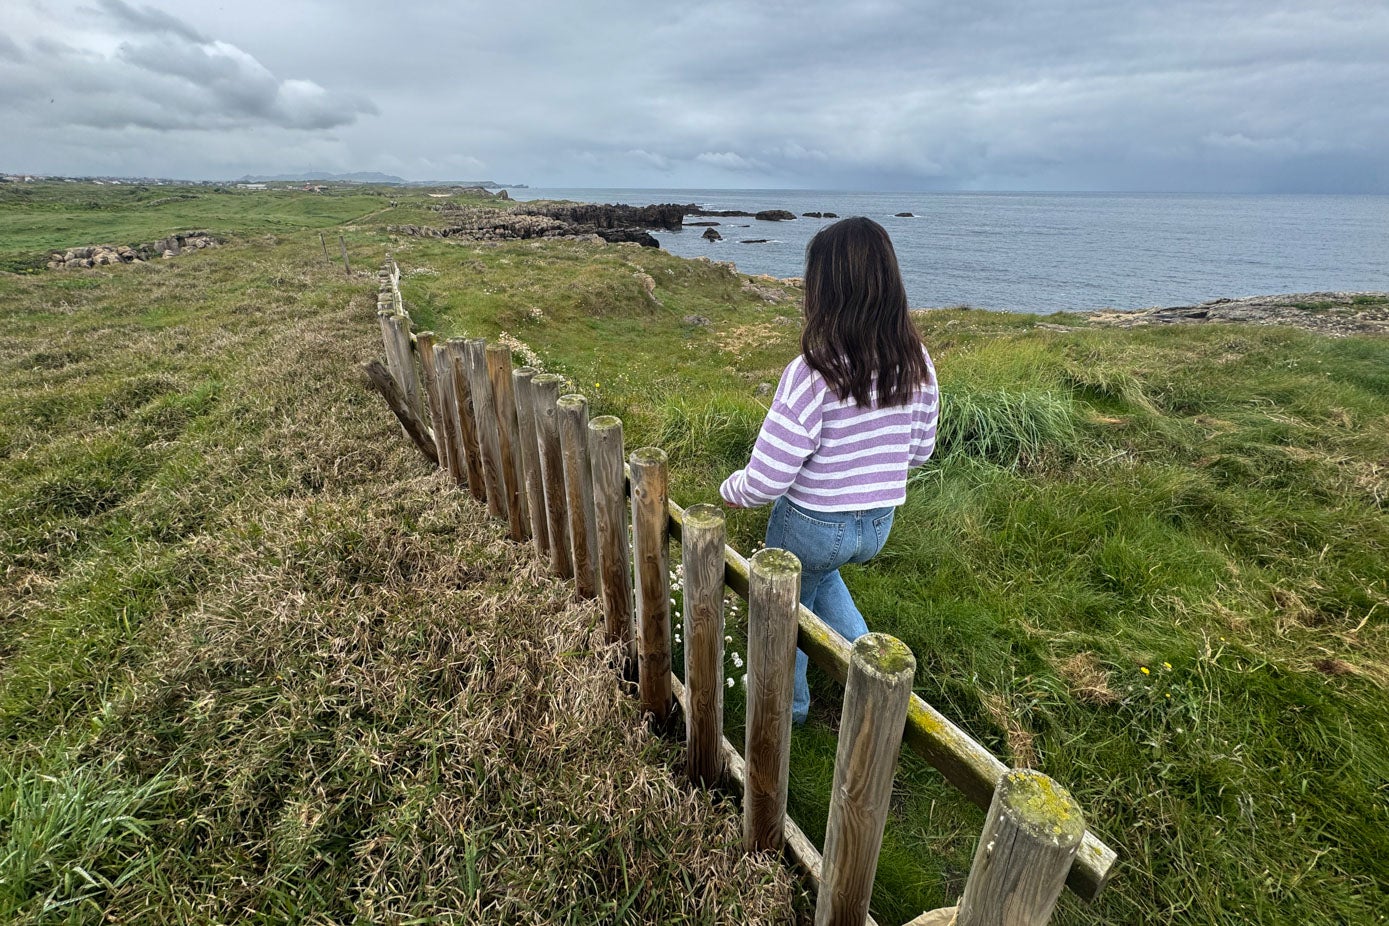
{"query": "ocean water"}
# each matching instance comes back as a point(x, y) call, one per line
point(1048, 252)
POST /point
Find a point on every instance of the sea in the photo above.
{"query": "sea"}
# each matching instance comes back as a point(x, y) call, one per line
point(1050, 252)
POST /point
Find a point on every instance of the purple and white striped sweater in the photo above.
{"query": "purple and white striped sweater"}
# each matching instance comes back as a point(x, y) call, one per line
point(831, 455)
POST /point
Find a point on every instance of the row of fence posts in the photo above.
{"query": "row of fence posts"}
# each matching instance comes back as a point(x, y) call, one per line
point(559, 481)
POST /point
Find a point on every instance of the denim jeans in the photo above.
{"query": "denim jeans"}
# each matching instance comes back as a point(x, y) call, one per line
point(824, 541)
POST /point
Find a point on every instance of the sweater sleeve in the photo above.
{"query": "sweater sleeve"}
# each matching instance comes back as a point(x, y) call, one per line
point(925, 417)
point(789, 435)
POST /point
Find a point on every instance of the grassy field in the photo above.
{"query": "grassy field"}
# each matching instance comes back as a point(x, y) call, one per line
point(1153, 563)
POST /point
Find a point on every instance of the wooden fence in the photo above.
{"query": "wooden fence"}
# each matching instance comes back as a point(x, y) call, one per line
point(560, 481)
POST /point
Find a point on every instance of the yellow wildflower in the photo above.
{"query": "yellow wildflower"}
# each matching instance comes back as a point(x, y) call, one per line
point(1143, 669)
point(1167, 666)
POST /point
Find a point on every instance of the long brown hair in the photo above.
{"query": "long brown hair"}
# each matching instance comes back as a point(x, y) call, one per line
point(857, 332)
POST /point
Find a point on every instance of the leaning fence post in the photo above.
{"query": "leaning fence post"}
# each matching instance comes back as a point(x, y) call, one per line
point(1030, 838)
point(870, 734)
point(774, 588)
point(545, 389)
point(398, 351)
point(346, 264)
point(467, 422)
point(530, 457)
point(578, 491)
point(651, 548)
point(702, 542)
point(610, 516)
point(448, 408)
point(485, 416)
point(424, 347)
point(504, 404)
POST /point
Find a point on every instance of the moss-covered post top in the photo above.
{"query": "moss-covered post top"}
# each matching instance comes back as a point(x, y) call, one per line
point(425, 334)
point(461, 341)
point(884, 656)
point(605, 423)
point(773, 562)
point(703, 516)
point(572, 400)
point(648, 456)
point(499, 349)
point(523, 372)
point(1042, 807)
point(546, 379)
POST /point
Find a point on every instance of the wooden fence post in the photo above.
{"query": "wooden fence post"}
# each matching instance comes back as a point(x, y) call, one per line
point(485, 416)
point(504, 404)
point(578, 492)
point(881, 669)
point(651, 549)
point(1030, 838)
point(326, 258)
point(530, 458)
point(467, 422)
point(702, 542)
point(774, 588)
point(610, 515)
point(545, 389)
point(424, 348)
point(346, 267)
point(402, 364)
point(448, 409)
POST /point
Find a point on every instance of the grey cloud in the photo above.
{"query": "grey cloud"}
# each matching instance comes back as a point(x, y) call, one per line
point(166, 76)
point(149, 19)
point(1051, 94)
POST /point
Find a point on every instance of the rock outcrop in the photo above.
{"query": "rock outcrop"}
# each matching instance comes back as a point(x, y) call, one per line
point(774, 215)
point(1334, 313)
point(102, 255)
point(711, 235)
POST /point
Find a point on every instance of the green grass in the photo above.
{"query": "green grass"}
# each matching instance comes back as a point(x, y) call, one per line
point(236, 603)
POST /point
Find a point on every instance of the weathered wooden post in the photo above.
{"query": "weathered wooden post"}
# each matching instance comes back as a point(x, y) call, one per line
point(504, 404)
point(578, 492)
point(402, 364)
point(424, 348)
point(321, 241)
point(346, 266)
point(530, 458)
point(467, 423)
point(774, 588)
point(651, 549)
point(702, 542)
point(870, 734)
point(610, 515)
point(485, 417)
point(448, 409)
point(545, 389)
point(383, 382)
point(1030, 838)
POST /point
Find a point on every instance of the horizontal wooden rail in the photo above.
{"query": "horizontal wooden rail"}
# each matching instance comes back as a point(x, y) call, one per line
point(963, 761)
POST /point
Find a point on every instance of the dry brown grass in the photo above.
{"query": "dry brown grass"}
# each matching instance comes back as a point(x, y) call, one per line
point(372, 706)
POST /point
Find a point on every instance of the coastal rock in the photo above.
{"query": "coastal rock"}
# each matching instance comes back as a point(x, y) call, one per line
point(110, 255)
point(695, 321)
point(774, 215)
point(722, 213)
point(711, 235)
point(1337, 314)
point(904, 215)
point(753, 241)
point(699, 224)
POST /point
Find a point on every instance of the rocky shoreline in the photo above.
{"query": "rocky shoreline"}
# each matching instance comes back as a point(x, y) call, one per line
point(1333, 313)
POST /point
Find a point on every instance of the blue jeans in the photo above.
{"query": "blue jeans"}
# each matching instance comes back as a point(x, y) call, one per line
point(824, 541)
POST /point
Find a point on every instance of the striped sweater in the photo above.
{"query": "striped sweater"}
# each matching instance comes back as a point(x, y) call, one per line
point(827, 454)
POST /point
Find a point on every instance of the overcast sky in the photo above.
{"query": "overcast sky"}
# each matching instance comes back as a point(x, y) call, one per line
point(1220, 95)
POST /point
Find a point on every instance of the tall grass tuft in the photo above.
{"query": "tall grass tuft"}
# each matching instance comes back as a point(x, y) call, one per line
point(1008, 426)
point(71, 835)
